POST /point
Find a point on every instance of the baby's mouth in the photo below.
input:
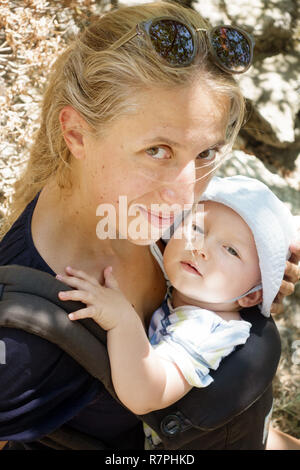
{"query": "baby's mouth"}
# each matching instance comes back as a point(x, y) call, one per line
point(190, 267)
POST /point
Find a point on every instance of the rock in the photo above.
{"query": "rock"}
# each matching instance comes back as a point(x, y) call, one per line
point(266, 21)
point(241, 163)
point(271, 86)
point(211, 11)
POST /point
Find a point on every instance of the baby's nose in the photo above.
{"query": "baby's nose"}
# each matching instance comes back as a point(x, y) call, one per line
point(201, 251)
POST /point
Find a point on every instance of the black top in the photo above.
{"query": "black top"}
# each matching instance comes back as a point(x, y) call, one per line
point(41, 387)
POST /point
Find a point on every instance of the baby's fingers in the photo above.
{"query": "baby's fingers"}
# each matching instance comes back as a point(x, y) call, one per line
point(75, 282)
point(81, 275)
point(71, 280)
point(88, 312)
point(76, 295)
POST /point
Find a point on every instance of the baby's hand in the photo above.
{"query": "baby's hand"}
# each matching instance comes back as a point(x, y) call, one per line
point(105, 304)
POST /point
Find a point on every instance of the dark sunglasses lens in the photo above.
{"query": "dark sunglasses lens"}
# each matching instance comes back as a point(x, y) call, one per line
point(232, 48)
point(173, 41)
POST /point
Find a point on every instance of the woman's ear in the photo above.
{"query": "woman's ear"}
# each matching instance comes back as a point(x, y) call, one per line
point(73, 126)
point(251, 299)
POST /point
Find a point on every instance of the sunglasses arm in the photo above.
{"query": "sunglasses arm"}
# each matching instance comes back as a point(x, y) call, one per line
point(127, 37)
point(197, 30)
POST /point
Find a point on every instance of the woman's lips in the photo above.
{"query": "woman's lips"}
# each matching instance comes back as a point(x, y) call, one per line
point(191, 268)
point(156, 219)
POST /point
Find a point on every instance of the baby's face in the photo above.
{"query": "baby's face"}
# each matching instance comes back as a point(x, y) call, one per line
point(223, 262)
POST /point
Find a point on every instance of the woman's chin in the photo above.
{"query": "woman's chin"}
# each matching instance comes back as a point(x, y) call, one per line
point(143, 241)
point(145, 238)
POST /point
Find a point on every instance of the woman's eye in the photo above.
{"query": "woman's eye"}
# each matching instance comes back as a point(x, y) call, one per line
point(232, 251)
point(159, 153)
point(208, 154)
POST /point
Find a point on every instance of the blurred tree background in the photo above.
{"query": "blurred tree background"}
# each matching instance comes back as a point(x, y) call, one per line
point(33, 32)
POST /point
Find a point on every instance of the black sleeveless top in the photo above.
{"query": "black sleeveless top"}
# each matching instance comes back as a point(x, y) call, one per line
point(41, 387)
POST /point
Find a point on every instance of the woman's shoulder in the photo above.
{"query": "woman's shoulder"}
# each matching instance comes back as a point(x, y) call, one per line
point(14, 243)
point(17, 246)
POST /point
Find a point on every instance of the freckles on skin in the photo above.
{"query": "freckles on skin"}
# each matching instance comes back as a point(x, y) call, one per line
point(117, 164)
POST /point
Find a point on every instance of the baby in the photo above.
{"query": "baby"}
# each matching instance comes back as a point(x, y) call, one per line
point(241, 235)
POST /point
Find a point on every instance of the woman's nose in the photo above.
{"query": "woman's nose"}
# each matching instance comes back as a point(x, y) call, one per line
point(178, 195)
point(183, 185)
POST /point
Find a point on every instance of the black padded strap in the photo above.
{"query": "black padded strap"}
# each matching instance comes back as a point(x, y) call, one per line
point(28, 280)
point(67, 438)
point(250, 369)
point(30, 302)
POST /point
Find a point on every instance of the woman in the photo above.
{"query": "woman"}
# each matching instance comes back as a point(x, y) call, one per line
point(118, 119)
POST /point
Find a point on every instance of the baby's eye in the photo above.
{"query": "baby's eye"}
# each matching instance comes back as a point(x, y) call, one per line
point(231, 251)
point(158, 153)
point(197, 228)
point(208, 154)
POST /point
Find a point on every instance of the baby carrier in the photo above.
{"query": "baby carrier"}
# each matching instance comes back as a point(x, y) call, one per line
point(212, 418)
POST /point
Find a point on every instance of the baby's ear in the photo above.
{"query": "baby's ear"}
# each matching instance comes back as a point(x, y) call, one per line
point(251, 299)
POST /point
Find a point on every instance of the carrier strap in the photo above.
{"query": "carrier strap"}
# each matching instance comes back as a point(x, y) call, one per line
point(30, 302)
point(155, 250)
point(67, 438)
point(159, 258)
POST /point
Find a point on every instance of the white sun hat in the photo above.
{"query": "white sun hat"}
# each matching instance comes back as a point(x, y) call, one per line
point(272, 224)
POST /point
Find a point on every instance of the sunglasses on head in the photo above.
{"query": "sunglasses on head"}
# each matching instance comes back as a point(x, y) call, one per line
point(176, 42)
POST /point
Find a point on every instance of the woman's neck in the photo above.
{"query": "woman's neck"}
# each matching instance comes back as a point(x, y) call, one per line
point(61, 216)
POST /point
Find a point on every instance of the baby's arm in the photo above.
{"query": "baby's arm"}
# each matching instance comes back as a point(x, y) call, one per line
point(143, 380)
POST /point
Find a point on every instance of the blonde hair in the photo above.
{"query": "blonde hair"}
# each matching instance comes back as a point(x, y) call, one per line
point(100, 83)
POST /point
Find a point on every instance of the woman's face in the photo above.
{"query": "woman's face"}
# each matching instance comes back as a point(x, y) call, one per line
point(154, 156)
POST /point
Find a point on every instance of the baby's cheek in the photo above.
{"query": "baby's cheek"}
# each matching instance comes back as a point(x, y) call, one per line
point(217, 285)
point(173, 274)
